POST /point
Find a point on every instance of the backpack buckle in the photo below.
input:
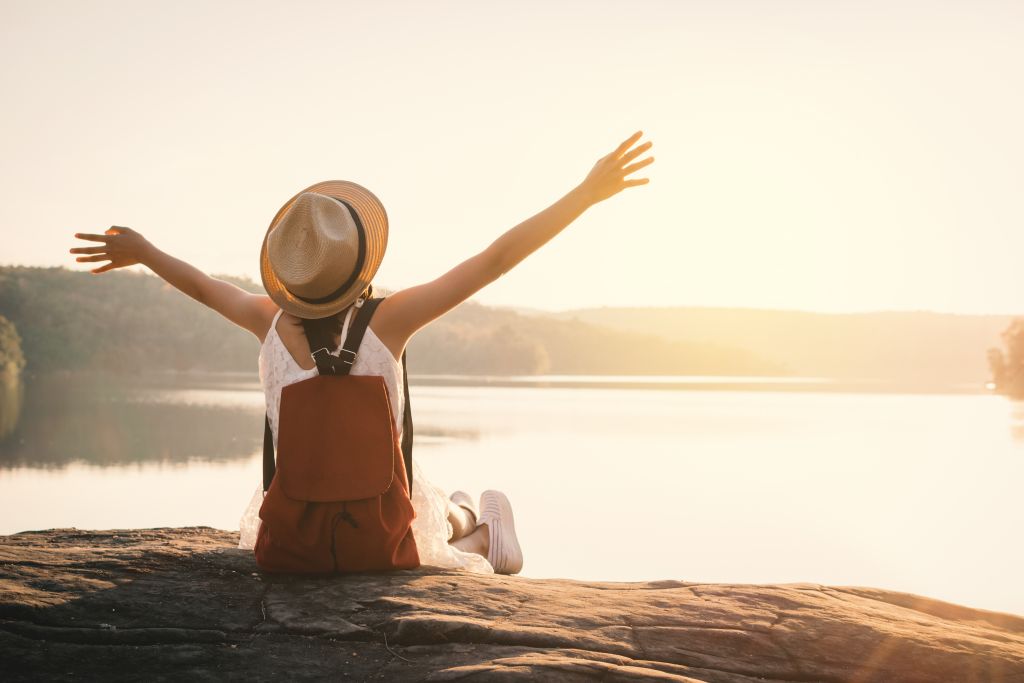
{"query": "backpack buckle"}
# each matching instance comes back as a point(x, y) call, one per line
point(330, 358)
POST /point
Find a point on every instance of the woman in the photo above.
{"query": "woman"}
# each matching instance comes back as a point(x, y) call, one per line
point(449, 532)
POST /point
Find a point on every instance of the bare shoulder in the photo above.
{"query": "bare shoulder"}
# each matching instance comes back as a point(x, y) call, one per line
point(265, 309)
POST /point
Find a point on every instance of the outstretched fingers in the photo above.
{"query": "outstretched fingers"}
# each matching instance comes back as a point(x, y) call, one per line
point(626, 144)
point(637, 166)
point(88, 250)
point(96, 253)
point(633, 154)
point(92, 237)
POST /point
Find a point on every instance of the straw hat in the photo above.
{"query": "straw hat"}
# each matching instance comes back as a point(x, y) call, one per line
point(323, 248)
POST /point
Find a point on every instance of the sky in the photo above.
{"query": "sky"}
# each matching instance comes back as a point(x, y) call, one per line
point(817, 155)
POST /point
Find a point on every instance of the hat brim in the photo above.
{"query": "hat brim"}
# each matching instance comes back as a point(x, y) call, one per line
point(375, 224)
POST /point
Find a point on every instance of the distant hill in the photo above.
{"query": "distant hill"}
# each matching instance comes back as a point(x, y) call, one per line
point(903, 347)
point(127, 321)
point(484, 340)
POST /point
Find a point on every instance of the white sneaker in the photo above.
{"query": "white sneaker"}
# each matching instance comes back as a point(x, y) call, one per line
point(503, 551)
point(465, 500)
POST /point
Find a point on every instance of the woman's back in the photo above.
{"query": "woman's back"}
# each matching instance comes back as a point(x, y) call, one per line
point(278, 368)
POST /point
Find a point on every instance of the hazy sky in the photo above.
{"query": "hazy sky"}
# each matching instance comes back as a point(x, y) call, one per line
point(818, 155)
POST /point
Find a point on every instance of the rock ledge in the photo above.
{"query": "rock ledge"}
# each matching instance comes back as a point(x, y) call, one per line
point(159, 604)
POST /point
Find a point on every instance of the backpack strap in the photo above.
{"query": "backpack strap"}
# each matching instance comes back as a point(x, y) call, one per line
point(407, 426)
point(329, 364)
point(320, 347)
point(269, 466)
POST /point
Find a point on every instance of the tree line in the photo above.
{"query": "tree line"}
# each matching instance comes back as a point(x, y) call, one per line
point(1008, 365)
point(131, 322)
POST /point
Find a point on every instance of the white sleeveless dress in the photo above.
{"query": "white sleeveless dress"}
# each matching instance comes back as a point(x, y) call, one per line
point(431, 527)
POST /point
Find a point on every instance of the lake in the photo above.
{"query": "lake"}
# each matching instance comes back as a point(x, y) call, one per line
point(743, 482)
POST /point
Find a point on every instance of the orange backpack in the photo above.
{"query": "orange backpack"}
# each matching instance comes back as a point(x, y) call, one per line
point(338, 499)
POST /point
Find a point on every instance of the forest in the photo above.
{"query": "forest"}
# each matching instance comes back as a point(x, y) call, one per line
point(132, 322)
point(1007, 365)
point(57, 319)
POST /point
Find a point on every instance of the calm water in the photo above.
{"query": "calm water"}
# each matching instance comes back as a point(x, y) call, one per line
point(919, 493)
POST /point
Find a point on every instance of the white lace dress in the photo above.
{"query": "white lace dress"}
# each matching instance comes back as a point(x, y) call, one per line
point(431, 527)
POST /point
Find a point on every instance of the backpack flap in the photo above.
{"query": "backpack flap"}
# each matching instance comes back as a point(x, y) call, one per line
point(337, 439)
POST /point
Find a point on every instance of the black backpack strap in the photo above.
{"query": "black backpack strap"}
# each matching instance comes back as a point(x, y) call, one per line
point(269, 466)
point(407, 426)
point(320, 347)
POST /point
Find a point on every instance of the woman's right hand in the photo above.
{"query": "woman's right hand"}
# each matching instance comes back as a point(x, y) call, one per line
point(121, 246)
point(608, 176)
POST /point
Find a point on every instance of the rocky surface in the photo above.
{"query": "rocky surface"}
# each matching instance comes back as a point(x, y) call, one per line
point(185, 604)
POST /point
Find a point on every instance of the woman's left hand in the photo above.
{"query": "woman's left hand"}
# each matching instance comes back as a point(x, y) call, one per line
point(608, 176)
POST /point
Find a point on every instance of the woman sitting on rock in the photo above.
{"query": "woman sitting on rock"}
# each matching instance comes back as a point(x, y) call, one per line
point(318, 259)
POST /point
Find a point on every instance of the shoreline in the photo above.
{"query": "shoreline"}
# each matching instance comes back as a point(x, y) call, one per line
point(239, 380)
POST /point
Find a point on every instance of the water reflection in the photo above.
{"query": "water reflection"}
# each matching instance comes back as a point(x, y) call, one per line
point(12, 395)
point(54, 420)
point(1017, 421)
point(59, 419)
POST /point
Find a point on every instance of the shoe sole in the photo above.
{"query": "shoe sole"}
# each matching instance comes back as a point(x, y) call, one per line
point(503, 552)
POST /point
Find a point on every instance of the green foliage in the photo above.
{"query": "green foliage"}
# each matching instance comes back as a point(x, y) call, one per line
point(121, 321)
point(1008, 367)
point(129, 322)
point(11, 358)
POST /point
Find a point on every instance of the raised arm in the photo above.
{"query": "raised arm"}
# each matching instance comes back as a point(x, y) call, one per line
point(125, 247)
point(401, 314)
